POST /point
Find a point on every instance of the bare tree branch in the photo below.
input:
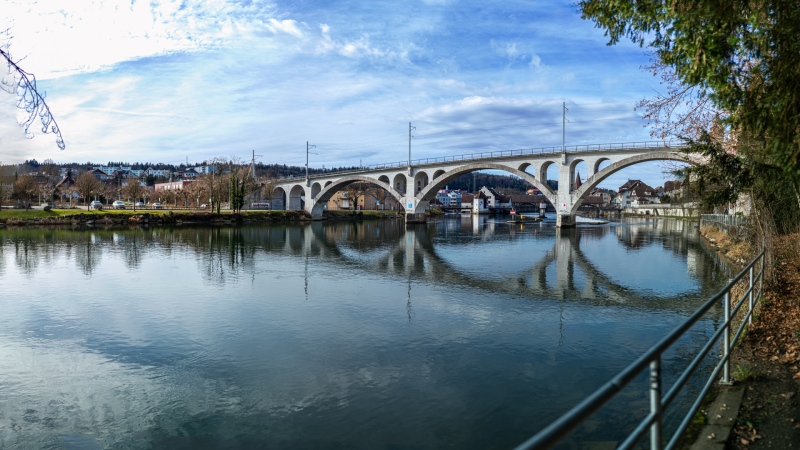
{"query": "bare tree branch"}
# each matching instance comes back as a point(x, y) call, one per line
point(23, 84)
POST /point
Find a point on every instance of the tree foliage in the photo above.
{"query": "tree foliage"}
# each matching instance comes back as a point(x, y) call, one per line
point(241, 184)
point(743, 55)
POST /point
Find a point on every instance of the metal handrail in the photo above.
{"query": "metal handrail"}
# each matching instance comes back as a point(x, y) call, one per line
point(566, 424)
point(650, 145)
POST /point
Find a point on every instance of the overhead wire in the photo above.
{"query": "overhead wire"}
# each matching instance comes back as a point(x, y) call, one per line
point(465, 128)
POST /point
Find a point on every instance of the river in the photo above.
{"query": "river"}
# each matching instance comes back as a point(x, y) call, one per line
point(468, 333)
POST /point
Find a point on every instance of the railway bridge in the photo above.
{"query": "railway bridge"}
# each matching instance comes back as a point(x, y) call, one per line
point(415, 183)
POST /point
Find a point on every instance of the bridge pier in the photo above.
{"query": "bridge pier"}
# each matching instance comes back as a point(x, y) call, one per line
point(565, 220)
point(415, 217)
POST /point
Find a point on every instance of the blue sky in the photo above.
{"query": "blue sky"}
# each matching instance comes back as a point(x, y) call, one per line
point(161, 81)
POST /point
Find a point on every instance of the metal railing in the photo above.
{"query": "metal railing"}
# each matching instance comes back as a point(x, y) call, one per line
point(725, 221)
point(654, 421)
point(649, 145)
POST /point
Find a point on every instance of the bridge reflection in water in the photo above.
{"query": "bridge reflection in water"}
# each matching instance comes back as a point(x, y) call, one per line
point(564, 270)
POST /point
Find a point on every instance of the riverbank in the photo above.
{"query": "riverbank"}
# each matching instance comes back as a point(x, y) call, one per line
point(76, 217)
point(767, 362)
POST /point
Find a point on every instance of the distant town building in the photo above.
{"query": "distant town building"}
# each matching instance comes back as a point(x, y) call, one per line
point(578, 182)
point(636, 192)
point(204, 170)
point(607, 195)
point(172, 185)
point(494, 199)
point(448, 198)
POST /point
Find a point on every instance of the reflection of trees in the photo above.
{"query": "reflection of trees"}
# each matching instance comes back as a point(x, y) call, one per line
point(226, 253)
point(31, 249)
point(87, 253)
point(132, 250)
point(26, 256)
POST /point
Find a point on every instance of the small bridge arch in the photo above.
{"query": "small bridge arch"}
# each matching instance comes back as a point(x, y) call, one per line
point(331, 188)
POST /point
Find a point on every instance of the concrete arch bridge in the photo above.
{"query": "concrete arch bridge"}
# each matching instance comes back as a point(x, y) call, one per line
point(415, 185)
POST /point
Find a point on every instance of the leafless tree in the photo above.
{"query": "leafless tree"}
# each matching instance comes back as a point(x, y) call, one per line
point(134, 190)
point(357, 190)
point(196, 192)
point(25, 187)
point(681, 110)
point(86, 186)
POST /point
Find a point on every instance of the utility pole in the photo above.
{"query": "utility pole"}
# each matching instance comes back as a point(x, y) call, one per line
point(308, 147)
point(253, 167)
point(409, 143)
point(563, 126)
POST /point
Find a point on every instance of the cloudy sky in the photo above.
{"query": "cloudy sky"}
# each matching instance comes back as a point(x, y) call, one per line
point(163, 81)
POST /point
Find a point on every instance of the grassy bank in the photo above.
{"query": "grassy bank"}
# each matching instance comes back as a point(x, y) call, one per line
point(21, 217)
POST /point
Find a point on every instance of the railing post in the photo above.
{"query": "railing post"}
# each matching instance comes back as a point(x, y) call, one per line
point(655, 403)
point(750, 300)
point(763, 256)
point(726, 338)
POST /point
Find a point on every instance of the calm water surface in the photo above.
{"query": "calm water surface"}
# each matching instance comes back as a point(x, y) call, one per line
point(459, 334)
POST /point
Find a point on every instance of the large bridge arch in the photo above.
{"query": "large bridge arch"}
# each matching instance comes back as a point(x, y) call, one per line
point(429, 192)
point(331, 188)
point(609, 170)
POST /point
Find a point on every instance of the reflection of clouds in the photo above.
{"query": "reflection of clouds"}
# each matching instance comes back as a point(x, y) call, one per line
point(52, 391)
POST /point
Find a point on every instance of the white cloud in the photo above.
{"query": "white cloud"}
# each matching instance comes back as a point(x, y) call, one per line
point(514, 52)
point(535, 62)
point(359, 48)
point(286, 26)
point(93, 35)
